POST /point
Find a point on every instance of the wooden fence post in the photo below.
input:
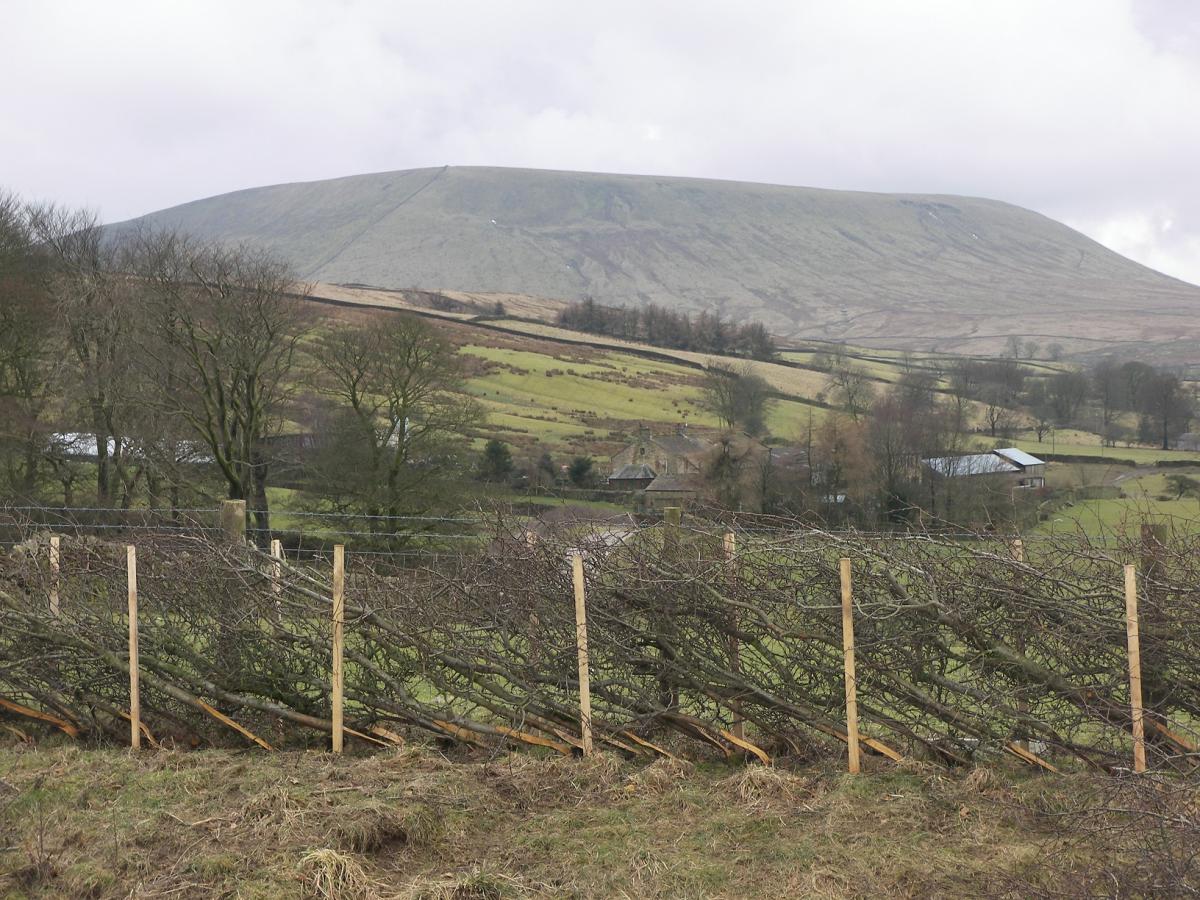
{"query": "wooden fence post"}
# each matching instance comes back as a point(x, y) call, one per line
point(735, 657)
point(1135, 670)
point(233, 519)
point(339, 623)
point(581, 643)
point(664, 629)
point(848, 658)
point(135, 695)
point(276, 567)
point(55, 547)
point(1018, 555)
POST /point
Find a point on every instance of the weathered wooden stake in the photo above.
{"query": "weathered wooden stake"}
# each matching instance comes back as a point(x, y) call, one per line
point(233, 519)
point(735, 653)
point(54, 574)
point(1018, 554)
point(581, 642)
point(276, 567)
point(135, 694)
point(1135, 670)
point(339, 623)
point(848, 657)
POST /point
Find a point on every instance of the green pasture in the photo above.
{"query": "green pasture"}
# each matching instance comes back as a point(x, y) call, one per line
point(1073, 442)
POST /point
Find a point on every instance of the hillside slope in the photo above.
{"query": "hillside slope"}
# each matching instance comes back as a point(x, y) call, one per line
point(915, 269)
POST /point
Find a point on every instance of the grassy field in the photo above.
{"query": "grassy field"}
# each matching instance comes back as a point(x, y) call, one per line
point(1146, 495)
point(581, 400)
point(1073, 442)
point(415, 823)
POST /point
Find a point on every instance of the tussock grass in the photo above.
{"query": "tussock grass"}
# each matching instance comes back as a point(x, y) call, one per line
point(663, 775)
point(373, 828)
point(473, 885)
point(331, 875)
point(764, 786)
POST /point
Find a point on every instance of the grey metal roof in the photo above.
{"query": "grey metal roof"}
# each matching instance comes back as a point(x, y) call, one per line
point(974, 464)
point(1020, 457)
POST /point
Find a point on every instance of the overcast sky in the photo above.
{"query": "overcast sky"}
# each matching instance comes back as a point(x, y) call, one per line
point(1086, 110)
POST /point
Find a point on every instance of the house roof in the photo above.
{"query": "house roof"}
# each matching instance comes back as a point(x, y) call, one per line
point(1020, 457)
point(672, 483)
point(974, 464)
point(680, 444)
point(633, 472)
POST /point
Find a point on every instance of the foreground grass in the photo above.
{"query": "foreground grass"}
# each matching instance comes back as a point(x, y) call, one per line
point(105, 823)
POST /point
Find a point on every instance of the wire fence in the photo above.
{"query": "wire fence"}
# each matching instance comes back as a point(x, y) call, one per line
point(698, 641)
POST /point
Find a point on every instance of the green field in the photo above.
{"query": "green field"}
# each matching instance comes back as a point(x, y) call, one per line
point(1147, 496)
point(589, 401)
point(1072, 442)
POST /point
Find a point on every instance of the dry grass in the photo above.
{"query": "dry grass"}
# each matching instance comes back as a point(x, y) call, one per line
point(331, 875)
point(760, 787)
point(416, 824)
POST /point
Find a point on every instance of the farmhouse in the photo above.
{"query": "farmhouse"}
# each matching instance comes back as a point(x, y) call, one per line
point(668, 467)
point(679, 452)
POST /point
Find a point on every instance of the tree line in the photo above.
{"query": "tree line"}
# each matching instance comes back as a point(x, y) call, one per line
point(652, 324)
point(1121, 401)
point(151, 368)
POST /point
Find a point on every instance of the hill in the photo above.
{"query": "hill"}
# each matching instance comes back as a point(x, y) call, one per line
point(915, 270)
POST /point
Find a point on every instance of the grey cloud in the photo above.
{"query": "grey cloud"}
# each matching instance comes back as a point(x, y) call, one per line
point(1086, 110)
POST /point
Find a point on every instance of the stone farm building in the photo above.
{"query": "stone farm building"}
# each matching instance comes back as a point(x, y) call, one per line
point(667, 467)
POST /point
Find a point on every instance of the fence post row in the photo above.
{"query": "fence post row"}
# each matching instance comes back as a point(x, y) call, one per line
point(848, 659)
point(135, 696)
point(672, 520)
point(1135, 670)
point(581, 644)
point(339, 622)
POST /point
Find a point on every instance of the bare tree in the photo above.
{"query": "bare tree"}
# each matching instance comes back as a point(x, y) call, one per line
point(997, 413)
point(224, 328)
point(737, 395)
point(28, 361)
point(399, 417)
point(851, 387)
point(89, 296)
point(1163, 399)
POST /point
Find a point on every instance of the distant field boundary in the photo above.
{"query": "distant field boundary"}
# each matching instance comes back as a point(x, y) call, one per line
point(598, 344)
point(1096, 460)
point(1116, 461)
